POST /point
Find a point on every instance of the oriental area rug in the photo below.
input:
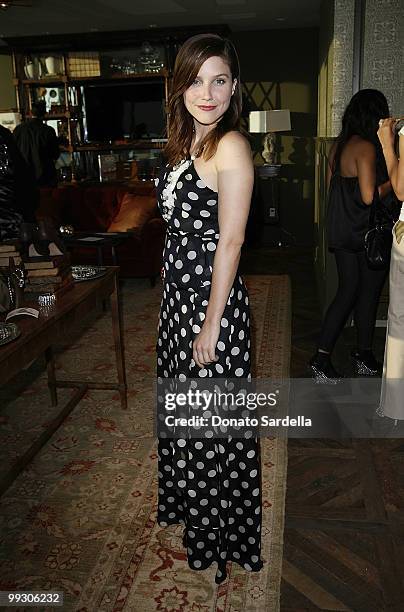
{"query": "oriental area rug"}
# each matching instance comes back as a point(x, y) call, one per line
point(81, 518)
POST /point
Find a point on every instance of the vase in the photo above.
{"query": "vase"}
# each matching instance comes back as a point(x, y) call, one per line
point(29, 70)
point(50, 63)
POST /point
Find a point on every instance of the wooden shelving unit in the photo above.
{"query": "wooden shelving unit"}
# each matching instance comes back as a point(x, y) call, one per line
point(130, 144)
point(28, 90)
point(54, 80)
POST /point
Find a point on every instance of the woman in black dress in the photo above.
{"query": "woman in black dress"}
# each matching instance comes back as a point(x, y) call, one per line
point(210, 485)
point(357, 176)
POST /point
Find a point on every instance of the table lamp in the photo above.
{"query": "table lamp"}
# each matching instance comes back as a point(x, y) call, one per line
point(267, 122)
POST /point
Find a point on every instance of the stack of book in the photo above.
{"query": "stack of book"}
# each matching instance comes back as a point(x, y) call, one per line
point(7, 250)
point(51, 276)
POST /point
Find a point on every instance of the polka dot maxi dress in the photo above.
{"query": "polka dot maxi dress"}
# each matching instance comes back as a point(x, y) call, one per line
point(211, 486)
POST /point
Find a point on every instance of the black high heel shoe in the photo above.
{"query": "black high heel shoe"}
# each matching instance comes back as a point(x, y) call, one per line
point(322, 370)
point(366, 363)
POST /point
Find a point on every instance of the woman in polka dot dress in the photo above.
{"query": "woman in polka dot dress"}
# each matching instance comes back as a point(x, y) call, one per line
point(211, 486)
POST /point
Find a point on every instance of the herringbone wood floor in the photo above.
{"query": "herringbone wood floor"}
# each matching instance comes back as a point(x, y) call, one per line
point(344, 532)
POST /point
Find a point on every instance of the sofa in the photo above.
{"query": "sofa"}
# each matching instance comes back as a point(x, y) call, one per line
point(111, 208)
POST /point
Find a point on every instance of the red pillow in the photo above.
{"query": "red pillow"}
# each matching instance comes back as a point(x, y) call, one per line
point(134, 212)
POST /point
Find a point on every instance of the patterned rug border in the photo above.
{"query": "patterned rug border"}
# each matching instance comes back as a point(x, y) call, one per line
point(278, 518)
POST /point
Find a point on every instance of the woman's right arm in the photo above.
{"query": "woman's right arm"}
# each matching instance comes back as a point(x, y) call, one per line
point(399, 187)
point(366, 170)
point(395, 167)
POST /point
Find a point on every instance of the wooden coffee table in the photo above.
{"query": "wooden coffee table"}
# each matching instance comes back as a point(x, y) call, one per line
point(38, 336)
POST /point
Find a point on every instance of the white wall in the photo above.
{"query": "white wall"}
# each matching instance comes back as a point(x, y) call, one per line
point(384, 51)
point(382, 54)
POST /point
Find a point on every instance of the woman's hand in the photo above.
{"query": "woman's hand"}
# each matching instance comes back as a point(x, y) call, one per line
point(204, 345)
point(399, 231)
point(384, 189)
point(386, 132)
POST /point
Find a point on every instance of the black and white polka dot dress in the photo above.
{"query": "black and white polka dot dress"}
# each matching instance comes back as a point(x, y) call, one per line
point(211, 486)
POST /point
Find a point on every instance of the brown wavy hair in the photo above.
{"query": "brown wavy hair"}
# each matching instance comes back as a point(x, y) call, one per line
point(193, 53)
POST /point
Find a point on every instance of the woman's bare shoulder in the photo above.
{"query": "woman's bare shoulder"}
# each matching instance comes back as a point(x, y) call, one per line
point(363, 147)
point(233, 143)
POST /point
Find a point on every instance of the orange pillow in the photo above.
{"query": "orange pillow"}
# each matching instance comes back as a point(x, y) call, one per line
point(134, 212)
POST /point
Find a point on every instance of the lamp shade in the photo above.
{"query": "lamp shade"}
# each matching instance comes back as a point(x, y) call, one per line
point(261, 122)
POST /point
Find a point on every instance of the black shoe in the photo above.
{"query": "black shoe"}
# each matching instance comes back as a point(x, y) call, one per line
point(322, 370)
point(366, 363)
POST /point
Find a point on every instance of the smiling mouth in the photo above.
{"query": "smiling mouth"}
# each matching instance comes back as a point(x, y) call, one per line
point(207, 108)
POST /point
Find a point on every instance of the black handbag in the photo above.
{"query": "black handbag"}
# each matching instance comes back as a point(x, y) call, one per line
point(379, 237)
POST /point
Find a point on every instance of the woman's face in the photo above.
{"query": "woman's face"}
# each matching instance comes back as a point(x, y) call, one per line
point(208, 97)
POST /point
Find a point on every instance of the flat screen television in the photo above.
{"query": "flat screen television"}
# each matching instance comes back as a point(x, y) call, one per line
point(115, 111)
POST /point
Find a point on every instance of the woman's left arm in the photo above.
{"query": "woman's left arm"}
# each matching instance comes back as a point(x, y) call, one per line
point(235, 172)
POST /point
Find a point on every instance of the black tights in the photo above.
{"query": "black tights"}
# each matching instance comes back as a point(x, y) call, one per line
point(359, 289)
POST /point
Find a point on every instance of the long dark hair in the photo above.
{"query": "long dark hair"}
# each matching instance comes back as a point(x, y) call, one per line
point(193, 53)
point(361, 118)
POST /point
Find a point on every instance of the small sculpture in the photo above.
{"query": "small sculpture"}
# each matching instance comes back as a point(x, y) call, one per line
point(268, 152)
